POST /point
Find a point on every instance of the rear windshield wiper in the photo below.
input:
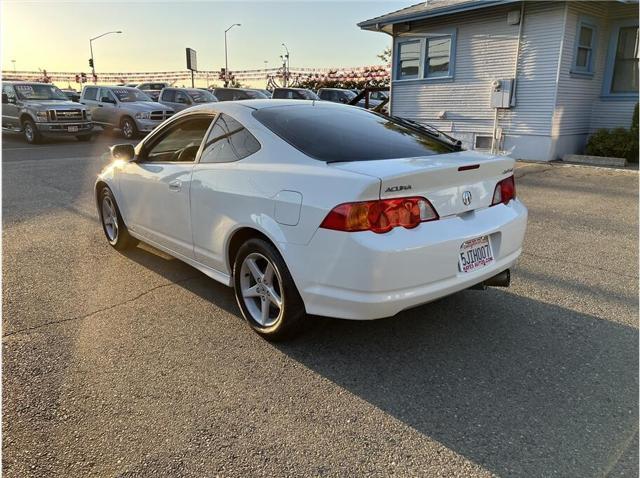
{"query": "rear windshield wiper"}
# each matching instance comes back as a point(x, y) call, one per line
point(430, 130)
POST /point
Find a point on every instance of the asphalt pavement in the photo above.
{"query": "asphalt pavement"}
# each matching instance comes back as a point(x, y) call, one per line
point(137, 365)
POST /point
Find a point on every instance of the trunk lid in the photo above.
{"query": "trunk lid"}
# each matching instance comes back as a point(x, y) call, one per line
point(442, 179)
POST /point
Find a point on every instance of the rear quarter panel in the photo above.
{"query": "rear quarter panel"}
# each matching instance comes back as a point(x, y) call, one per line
point(226, 197)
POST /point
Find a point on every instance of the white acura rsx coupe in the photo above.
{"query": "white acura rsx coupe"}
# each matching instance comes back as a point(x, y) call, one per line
point(315, 208)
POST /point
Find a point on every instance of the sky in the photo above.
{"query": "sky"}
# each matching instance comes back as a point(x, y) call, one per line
point(54, 35)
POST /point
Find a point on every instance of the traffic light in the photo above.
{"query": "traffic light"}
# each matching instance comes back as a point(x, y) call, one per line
point(91, 62)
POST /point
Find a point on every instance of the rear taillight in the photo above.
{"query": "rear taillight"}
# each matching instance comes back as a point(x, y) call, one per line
point(505, 191)
point(380, 216)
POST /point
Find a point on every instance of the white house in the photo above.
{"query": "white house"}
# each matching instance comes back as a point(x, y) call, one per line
point(537, 76)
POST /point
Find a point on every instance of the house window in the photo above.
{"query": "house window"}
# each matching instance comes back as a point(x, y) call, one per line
point(409, 60)
point(625, 66)
point(483, 142)
point(585, 42)
point(437, 57)
point(426, 57)
point(621, 74)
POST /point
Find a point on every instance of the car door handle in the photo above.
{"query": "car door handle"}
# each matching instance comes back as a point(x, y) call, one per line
point(100, 106)
point(175, 185)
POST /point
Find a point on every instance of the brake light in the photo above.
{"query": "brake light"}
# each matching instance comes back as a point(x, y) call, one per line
point(380, 216)
point(505, 191)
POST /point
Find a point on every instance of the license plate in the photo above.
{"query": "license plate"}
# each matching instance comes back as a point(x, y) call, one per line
point(475, 254)
point(72, 129)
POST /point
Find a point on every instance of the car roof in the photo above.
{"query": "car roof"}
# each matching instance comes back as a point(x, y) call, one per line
point(22, 82)
point(259, 104)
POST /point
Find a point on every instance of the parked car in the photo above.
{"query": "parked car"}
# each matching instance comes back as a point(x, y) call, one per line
point(314, 219)
point(336, 95)
point(73, 95)
point(129, 109)
point(41, 109)
point(182, 98)
point(294, 94)
point(266, 93)
point(233, 94)
point(340, 95)
point(153, 89)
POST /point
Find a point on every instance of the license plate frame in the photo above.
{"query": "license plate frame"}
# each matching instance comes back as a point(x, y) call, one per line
point(475, 254)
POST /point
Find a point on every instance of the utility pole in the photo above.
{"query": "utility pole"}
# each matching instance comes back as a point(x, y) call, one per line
point(226, 57)
point(287, 66)
point(91, 61)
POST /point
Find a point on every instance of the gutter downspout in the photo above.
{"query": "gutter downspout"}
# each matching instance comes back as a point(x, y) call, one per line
point(515, 83)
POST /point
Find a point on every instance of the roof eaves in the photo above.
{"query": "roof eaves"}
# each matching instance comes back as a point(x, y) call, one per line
point(391, 18)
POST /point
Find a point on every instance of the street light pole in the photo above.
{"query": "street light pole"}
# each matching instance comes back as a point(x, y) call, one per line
point(93, 65)
point(14, 65)
point(286, 76)
point(226, 58)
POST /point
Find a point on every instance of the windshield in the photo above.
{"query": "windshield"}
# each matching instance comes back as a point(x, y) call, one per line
point(39, 92)
point(201, 96)
point(129, 95)
point(335, 133)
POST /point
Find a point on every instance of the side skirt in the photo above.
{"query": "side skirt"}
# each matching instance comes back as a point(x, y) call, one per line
point(206, 270)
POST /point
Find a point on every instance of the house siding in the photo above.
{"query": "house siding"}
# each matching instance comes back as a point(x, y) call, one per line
point(486, 50)
point(580, 108)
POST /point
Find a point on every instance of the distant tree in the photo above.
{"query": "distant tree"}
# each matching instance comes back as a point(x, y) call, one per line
point(385, 56)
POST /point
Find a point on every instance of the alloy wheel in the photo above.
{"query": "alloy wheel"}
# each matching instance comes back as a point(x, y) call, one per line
point(109, 219)
point(261, 288)
point(28, 132)
point(127, 128)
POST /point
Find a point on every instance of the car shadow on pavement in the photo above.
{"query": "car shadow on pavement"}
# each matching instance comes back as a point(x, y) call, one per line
point(516, 385)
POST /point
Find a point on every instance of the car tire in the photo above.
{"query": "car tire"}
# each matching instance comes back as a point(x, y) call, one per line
point(31, 133)
point(261, 280)
point(113, 226)
point(84, 137)
point(128, 128)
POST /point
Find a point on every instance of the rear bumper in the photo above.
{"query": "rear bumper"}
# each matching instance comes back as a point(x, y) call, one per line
point(369, 276)
point(63, 128)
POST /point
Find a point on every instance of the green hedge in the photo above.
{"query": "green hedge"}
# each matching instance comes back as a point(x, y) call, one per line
point(617, 143)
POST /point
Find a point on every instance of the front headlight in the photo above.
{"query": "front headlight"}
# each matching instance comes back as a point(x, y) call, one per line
point(143, 115)
point(41, 116)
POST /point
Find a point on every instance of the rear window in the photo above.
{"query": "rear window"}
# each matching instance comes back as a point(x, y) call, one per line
point(335, 133)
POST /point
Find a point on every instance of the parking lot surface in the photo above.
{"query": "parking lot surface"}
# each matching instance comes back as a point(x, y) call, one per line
point(137, 365)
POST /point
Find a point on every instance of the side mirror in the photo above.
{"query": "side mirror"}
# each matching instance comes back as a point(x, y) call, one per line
point(124, 152)
point(5, 99)
point(106, 99)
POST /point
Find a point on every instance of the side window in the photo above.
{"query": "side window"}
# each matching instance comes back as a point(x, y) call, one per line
point(180, 142)
point(228, 141)
point(182, 98)
point(583, 61)
point(90, 93)
point(106, 94)
point(223, 95)
point(8, 90)
point(169, 95)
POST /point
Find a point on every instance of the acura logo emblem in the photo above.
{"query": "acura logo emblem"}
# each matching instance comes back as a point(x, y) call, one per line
point(466, 198)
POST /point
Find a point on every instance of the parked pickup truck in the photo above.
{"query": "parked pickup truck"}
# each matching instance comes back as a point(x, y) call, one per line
point(41, 109)
point(128, 109)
